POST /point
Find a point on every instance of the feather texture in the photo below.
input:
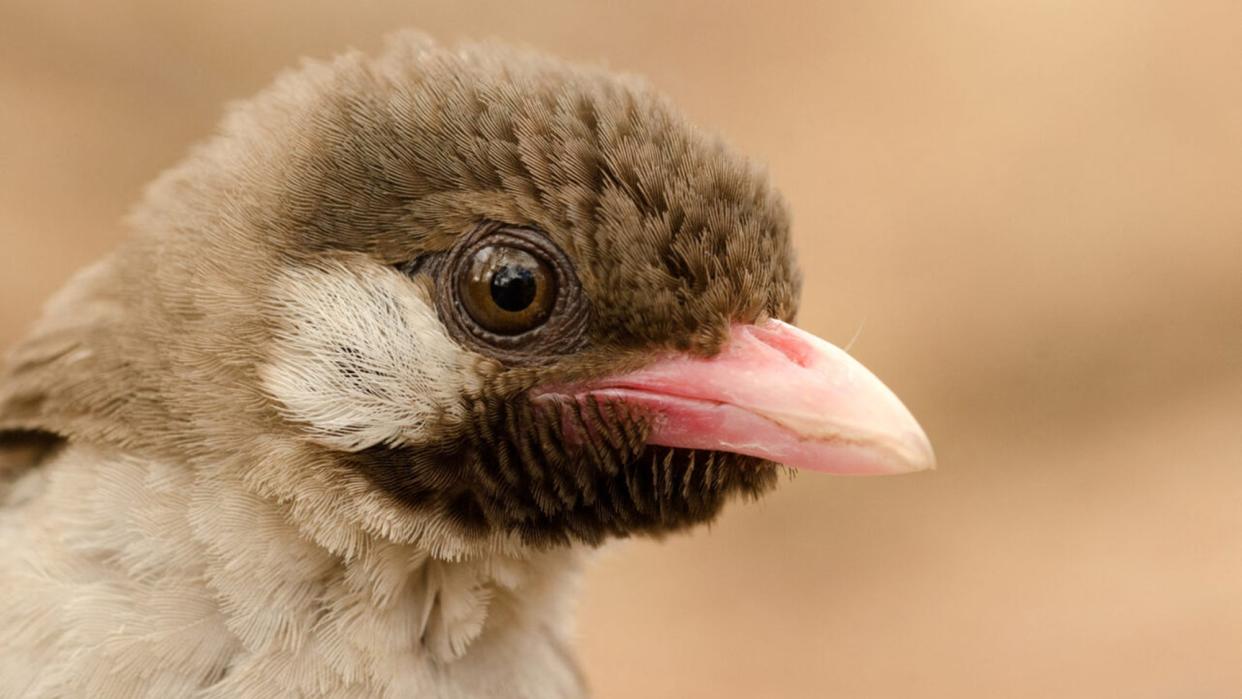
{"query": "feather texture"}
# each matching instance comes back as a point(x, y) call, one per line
point(131, 578)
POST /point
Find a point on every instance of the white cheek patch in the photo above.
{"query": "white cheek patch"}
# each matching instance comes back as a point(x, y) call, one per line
point(361, 358)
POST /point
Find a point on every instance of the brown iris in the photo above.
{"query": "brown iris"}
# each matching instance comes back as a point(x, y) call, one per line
point(507, 290)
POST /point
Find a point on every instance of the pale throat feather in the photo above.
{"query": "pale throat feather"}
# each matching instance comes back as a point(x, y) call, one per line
point(204, 589)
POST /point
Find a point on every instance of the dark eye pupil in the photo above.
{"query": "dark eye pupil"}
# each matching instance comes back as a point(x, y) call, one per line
point(514, 288)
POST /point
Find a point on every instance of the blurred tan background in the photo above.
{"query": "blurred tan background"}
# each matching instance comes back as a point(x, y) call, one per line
point(1029, 212)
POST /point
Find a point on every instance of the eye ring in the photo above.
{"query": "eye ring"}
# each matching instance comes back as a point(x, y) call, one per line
point(556, 327)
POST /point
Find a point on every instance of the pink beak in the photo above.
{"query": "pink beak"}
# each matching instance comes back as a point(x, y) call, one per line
point(778, 393)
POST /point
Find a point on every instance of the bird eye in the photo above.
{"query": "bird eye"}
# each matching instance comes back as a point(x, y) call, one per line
point(511, 293)
point(507, 290)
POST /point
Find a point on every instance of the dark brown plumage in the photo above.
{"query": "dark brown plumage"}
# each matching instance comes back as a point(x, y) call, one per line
point(509, 469)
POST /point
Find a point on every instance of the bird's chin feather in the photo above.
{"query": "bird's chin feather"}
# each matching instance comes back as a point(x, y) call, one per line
point(511, 469)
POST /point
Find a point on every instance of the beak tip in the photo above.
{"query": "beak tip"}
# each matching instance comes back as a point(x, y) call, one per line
point(917, 453)
point(909, 452)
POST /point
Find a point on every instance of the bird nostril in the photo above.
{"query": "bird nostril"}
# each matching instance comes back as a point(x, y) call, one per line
point(779, 337)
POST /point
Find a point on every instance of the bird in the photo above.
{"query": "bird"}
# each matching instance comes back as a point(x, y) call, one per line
point(378, 365)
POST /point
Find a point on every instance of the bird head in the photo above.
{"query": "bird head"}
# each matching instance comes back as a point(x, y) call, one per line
point(472, 297)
